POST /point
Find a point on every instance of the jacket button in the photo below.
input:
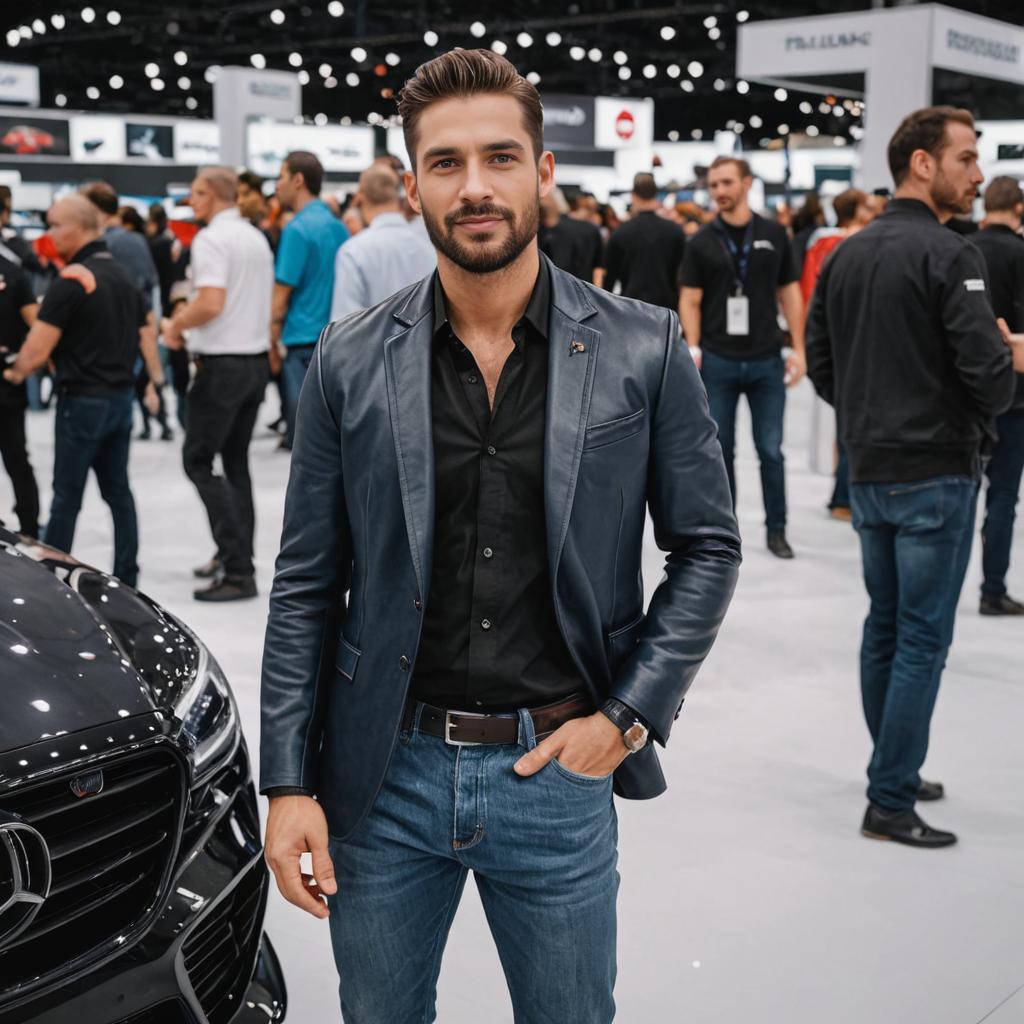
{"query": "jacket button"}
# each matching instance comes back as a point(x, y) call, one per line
point(418, 604)
point(485, 624)
point(403, 663)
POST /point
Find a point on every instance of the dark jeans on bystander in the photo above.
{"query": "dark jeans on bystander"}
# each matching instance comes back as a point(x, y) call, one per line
point(14, 453)
point(1004, 476)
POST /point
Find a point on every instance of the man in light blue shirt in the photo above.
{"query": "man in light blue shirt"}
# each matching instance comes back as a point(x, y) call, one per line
point(385, 258)
point(303, 274)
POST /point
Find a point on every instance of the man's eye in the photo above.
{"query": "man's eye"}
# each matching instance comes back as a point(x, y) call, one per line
point(444, 164)
point(504, 157)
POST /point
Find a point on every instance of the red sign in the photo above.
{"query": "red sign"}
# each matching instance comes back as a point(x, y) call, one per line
point(625, 125)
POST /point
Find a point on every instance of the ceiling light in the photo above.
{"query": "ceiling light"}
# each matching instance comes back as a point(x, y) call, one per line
point(392, 60)
point(738, 127)
point(116, 81)
point(184, 83)
point(478, 29)
point(533, 78)
point(552, 39)
point(695, 69)
point(157, 84)
point(330, 83)
point(696, 134)
point(710, 21)
point(88, 15)
point(781, 94)
point(714, 33)
point(303, 77)
point(839, 141)
point(673, 136)
point(686, 85)
point(430, 37)
point(13, 37)
point(152, 70)
point(838, 110)
point(594, 54)
point(320, 119)
point(719, 84)
point(25, 31)
point(499, 48)
point(755, 121)
point(668, 32)
point(806, 108)
point(524, 39)
point(673, 71)
point(211, 73)
point(335, 9)
point(180, 58)
point(783, 129)
point(742, 16)
point(824, 108)
point(577, 52)
point(60, 100)
point(192, 103)
point(358, 54)
point(650, 71)
point(295, 59)
point(352, 79)
point(620, 57)
point(92, 92)
point(742, 87)
point(325, 70)
point(114, 17)
point(58, 21)
point(277, 16)
point(812, 130)
point(346, 120)
point(39, 26)
point(258, 61)
point(373, 117)
point(856, 131)
point(625, 74)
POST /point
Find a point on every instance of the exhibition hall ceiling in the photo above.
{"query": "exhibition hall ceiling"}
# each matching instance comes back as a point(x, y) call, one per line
point(160, 58)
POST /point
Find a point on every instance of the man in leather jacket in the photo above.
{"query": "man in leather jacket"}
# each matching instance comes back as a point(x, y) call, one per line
point(458, 669)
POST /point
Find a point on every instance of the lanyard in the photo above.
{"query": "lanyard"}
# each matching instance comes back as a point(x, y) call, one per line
point(740, 257)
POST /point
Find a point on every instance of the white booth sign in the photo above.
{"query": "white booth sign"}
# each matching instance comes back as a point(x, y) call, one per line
point(196, 142)
point(242, 95)
point(19, 83)
point(623, 123)
point(97, 140)
point(341, 149)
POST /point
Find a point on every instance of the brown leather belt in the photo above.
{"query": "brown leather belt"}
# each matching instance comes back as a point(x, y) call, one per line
point(469, 729)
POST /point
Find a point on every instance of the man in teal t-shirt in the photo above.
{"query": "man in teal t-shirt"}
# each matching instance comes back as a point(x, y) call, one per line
point(304, 273)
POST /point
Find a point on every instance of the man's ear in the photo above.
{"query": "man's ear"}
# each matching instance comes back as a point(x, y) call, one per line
point(546, 173)
point(411, 190)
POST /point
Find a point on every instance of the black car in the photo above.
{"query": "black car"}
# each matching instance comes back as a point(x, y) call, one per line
point(132, 882)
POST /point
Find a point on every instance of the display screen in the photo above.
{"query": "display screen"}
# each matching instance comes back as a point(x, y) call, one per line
point(34, 136)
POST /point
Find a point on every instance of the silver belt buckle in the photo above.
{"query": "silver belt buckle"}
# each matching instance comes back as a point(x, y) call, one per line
point(449, 725)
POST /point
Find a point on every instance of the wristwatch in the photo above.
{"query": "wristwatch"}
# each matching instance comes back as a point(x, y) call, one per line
point(634, 731)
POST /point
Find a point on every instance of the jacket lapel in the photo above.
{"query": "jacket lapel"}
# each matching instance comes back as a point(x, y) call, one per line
point(571, 362)
point(407, 370)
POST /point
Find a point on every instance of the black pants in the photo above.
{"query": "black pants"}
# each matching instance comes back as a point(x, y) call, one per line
point(223, 401)
point(19, 469)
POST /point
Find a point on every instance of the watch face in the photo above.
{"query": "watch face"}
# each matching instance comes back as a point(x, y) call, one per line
point(635, 737)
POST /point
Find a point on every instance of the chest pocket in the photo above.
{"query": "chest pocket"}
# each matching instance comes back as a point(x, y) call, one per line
point(600, 435)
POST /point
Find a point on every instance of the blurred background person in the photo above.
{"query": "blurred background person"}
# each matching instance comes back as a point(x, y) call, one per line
point(805, 222)
point(389, 255)
point(571, 243)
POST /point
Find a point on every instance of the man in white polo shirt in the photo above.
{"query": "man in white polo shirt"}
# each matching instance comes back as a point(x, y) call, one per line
point(228, 325)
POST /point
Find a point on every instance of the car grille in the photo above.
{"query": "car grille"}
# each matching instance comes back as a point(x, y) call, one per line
point(110, 854)
point(220, 954)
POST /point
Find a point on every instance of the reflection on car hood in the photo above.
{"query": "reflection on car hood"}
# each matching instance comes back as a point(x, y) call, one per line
point(78, 648)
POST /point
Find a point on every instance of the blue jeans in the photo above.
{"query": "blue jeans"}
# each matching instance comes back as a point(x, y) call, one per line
point(293, 373)
point(915, 543)
point(763, 382)
point(94, 432)
point(1004, 476)
point(543, 854)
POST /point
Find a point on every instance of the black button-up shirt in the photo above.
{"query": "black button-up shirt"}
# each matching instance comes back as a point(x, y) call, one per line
point(490, 638)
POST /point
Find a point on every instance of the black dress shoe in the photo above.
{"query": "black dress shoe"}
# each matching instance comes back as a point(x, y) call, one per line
point(208, 571)
point(778, 545)
point(166, 434)
point(903, 827)
point(930, 790)
point(1002, 605)
point(228, 588)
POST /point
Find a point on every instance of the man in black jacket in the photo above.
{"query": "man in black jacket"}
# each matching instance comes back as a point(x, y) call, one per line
point(1001, 245)
point(902, 341)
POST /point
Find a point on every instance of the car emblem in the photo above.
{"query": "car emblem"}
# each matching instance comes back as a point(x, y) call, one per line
point(25, 876)
point(87, 785)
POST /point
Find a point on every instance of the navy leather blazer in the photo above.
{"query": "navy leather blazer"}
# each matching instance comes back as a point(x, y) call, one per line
point(627, 428)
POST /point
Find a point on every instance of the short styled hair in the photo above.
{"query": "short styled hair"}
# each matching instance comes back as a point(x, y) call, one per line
point(846, 203)
point(923, 129)
point(464, 73)
point(103, 196)
point(1003, 193)
point(223, 182)
point(309, 166)
point(742, 167)
point(251, 180)
point(644, 186)
point(380, 185)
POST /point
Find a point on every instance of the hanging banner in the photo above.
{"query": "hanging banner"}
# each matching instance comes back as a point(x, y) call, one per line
point(196, 142)
point(98, 140)
point(341, 149)
point(29, 136)
point(623, 123)
point(568, 121)
point(19, 83)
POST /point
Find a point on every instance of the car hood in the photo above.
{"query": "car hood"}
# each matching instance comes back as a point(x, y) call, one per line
point(78, 648)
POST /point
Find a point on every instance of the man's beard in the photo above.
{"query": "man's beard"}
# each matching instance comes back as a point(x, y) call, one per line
point(474, 257)
point(946, 198)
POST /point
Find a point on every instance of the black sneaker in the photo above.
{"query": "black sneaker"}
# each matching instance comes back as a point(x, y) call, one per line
point(166, 434)
point(229, 588)
point(778, 545)
point(208, 571)
point(903, 827)
point(1002, 605)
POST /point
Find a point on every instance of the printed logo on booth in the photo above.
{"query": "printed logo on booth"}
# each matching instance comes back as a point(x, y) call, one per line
point(625, 125)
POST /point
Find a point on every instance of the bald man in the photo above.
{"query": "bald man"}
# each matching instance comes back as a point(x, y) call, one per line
point(92, 322)
point(385, 258)
point(226, 328)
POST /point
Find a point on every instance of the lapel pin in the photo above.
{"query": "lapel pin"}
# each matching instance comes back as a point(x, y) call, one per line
point(577, 346)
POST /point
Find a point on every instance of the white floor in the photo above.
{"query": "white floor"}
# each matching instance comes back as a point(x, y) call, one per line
point(747, 892)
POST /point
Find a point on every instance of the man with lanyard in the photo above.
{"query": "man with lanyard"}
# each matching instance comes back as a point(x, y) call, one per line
point(737, 270)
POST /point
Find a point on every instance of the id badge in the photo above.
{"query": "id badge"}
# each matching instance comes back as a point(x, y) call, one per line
point(737, 315)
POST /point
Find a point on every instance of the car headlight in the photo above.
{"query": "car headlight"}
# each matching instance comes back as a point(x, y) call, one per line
point(209, 718)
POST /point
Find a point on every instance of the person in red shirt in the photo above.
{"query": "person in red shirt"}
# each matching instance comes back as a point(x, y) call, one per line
point(853, 211)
